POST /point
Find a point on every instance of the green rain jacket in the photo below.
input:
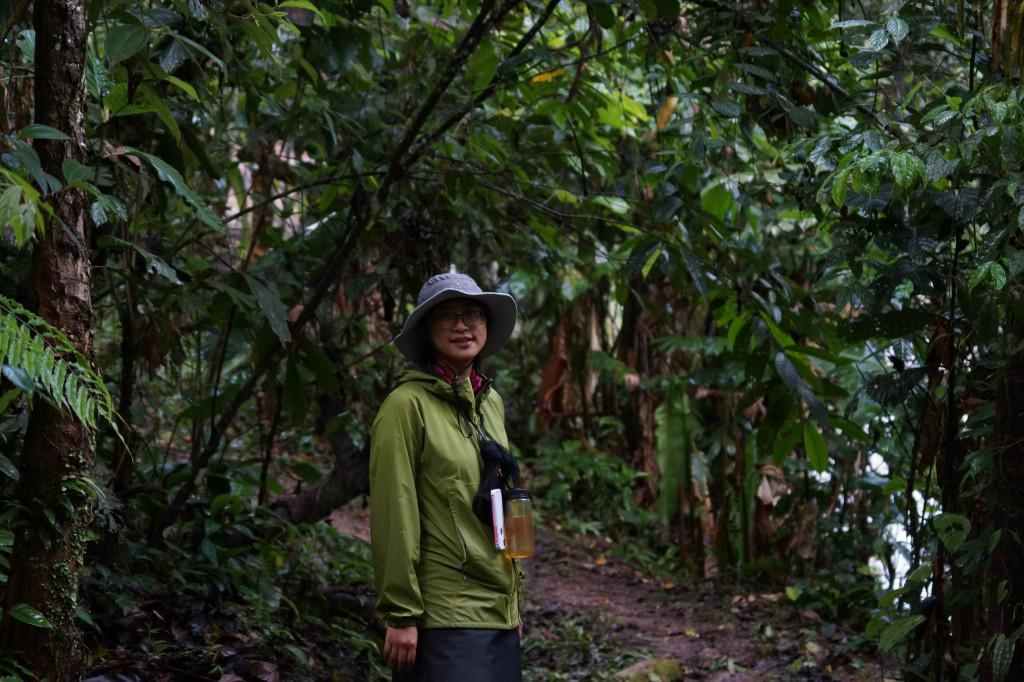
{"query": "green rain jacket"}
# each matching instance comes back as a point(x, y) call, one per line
point(434, 562)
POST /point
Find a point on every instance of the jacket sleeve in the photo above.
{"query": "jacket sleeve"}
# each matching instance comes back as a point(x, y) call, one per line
point(396, 441)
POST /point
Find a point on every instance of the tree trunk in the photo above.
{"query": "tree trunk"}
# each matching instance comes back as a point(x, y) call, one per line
point(48, 553)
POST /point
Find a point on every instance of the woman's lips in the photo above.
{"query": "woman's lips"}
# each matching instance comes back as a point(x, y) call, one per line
point(463, 342)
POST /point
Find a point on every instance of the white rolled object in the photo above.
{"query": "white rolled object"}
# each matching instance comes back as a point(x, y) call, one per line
point(498, 518)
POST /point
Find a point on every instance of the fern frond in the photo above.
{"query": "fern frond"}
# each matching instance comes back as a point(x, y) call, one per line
point(57, 369)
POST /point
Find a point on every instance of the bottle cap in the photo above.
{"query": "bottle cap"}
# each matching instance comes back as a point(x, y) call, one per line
point(517, 494)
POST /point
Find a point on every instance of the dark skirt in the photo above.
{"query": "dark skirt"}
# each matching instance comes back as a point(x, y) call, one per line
point(465, 655)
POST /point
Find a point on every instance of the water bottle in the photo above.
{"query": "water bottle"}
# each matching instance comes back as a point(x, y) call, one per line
point(518, 524)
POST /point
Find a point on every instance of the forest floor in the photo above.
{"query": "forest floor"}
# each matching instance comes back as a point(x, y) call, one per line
point(590, 615)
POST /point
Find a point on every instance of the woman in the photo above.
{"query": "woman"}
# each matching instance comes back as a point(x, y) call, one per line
point(449, 598)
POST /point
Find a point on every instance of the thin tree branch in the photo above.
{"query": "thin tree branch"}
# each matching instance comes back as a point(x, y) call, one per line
point(298, 188)
point(484, 94)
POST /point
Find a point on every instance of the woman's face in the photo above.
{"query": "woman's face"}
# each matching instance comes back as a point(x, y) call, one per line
point(458, 331)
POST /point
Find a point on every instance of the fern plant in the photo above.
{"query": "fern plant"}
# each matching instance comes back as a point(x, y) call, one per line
point(38, 357)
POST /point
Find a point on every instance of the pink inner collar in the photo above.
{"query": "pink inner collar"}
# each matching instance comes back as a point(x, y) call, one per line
point(475, 378)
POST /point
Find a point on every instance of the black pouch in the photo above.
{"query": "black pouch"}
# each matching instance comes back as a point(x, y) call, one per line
point(500, 471)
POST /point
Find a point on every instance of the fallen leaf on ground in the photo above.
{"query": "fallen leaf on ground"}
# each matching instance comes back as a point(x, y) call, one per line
point(267, 672)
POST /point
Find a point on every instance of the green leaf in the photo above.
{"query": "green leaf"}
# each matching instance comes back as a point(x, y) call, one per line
point(803, 117)
point(187, 87)
point(651, 260)
point(189, 43)
point(303, 4)
point(154, 264)
point(97, 79)
point(990, 272)
point(26, 614)
point(169, 174)
point(878, 40)
point(736, 327)
point(273, 308)
point(74, 171)
point(897, 631)
point(897, 28)
point(612, 203)
point(815, 447)
point(294, 394)
point(906, 168)
point(1002, 655)
point(853, 23)
point(84, 616)
point(124, 40)
point(107, 208)
point(8, 469)
point(482, 65)
point(782, 338)
point(787, 371)
point(952, 530)
point(839, 187)
point(939, 115)
point(942, 32)
point(308, 472)
point(5, 401)
point(38, 131)
point(726, 107)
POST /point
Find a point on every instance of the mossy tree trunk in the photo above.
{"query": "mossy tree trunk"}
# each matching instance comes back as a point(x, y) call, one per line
point(49, 546)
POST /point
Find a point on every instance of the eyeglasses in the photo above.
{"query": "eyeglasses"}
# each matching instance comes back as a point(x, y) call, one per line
point(471, 317)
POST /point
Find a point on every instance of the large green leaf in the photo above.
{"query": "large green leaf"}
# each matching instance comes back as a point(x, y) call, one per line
point(815, 447)
point(170, 175)
point(26, 614)
point(38, 131)
point(124, 40)
point(898, 630)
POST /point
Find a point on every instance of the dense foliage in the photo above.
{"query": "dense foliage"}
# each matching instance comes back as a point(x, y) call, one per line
point(767, 256)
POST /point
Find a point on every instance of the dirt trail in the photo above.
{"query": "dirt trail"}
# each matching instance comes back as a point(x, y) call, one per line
point(714, 635)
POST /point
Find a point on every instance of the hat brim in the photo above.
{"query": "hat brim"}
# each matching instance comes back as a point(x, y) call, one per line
point(501, 320)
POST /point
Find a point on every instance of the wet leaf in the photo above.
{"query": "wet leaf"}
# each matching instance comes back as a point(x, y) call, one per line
point(26, 614)
point(897, 28)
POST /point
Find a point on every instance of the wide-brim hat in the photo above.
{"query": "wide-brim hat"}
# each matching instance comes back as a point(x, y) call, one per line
point(501, 313)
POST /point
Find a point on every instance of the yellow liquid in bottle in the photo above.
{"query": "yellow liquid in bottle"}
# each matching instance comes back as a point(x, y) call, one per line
point(519, 537)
